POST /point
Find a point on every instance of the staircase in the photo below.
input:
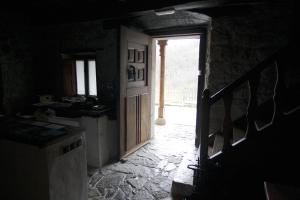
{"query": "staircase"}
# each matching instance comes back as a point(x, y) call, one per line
point(234, 163)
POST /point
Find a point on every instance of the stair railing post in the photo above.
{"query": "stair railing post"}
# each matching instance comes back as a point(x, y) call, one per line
point(227, 122)
point(253, 83)
point(204, 130)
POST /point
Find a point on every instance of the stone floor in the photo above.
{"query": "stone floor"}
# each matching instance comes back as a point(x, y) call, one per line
point(148, 173)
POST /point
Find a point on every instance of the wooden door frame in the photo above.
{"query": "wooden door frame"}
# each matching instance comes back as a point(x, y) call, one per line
point(202, 32)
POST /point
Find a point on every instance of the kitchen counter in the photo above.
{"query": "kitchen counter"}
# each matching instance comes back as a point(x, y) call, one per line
point(101, 134)
point(32, 132)
point(76, 110)
point(41, 165)
point(98, 122)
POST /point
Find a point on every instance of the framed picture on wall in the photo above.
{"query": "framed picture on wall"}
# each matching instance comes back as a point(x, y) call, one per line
point(140, 75)
point(131, 73)
point(131, 55)
point(139, 56)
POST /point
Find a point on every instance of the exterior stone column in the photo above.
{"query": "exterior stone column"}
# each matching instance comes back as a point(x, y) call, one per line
point(160, 120)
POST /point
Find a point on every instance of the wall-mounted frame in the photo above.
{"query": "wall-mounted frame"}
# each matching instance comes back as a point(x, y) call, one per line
point(131, 55)
point(131, 73)
point(139, 56)
point(141, 75)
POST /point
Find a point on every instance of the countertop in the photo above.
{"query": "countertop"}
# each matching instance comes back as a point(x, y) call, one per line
point(30, 131)
point(75, 110)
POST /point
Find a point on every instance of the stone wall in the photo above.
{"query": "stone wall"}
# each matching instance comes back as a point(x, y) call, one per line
point(17, 85)
point(53, 40)
point(31, 62)
point(238, 43)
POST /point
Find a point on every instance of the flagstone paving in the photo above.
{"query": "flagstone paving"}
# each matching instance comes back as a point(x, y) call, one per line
point(146, 174)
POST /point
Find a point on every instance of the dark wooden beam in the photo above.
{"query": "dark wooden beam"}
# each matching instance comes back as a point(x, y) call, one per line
point(1, 91)
point(65, 11)
point(178, 31)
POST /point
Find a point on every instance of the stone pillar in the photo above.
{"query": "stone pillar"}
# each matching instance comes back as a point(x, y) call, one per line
point(160, 120)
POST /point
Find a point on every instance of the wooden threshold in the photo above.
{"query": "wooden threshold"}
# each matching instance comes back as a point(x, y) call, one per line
point(134, 149)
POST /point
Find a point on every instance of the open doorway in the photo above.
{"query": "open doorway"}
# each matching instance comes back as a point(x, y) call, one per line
point(176, 82)
point(149, 165)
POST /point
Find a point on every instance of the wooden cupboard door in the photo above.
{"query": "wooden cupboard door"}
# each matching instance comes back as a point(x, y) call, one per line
point(69, 78)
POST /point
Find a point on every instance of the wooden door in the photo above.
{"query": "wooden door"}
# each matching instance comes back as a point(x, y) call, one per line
point(69, 78)
point(135, 90)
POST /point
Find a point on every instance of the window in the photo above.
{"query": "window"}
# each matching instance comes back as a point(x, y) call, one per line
point(80, 76)
point(86, 77)
point(92, 78)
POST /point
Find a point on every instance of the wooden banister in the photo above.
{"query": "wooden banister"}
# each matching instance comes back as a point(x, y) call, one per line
point(253, 78)
point(232, 151)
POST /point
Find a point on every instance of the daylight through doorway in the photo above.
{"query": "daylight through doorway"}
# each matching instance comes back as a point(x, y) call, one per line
point(180, 89)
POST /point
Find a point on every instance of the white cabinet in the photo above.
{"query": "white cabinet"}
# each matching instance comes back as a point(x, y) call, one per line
point(102, 140)
point(44, 173)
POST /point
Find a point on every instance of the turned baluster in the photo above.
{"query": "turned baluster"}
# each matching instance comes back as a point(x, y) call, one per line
point(204, 130)
point(227, 122)
point(253, 83)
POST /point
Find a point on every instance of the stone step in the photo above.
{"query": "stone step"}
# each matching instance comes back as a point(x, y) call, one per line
point(182, 185)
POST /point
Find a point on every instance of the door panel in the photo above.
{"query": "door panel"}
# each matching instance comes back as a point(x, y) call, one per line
point(145, 118)
point(135, 89)
point(131, 125)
